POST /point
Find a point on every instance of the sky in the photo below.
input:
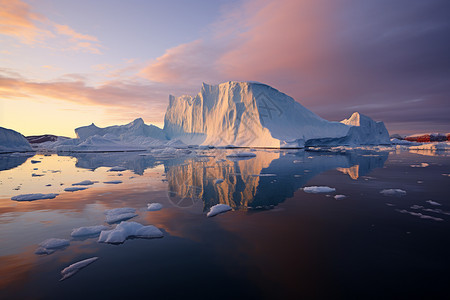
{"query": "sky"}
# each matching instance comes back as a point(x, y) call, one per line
point(66, 64)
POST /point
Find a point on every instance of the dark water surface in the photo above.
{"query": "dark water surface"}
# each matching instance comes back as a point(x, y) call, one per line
point(278, 242)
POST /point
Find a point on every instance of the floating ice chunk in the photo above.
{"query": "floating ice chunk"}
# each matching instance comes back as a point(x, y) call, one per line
point(340, 197)
point(74, 189)
point(88, 230)
point(74, 268)
point(36, 175)
point(421, 165)
point(113, 182)
point(35, 161)
point(437, 211)
point(420, 215)
point(117, 169)
point(128, 229)
point(393, 192)
point(218, 209)
point(241, 155)
point(120, 214)
point(318, 189)
point(433, 203)
point(50, 245)
point(85, 182)
point(218, 181)
point(32, 197)
point(416, 207)
point(154, 206)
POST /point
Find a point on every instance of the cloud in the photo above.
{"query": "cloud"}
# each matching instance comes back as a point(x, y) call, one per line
point(332, 56)
point(18, 21)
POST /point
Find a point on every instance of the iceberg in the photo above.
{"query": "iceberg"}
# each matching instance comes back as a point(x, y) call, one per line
point(248, 114)
point(113, 182)
point(74, 268)
point(85, 182)
point(74, 189)
point(32, 197)
point(393, 192)
point(128, 229)
point(12, 141)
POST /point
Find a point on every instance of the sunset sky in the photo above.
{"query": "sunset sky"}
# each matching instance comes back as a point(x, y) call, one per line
point(65, 64)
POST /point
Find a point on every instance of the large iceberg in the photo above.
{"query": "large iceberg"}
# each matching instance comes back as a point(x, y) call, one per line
point(251, 114)
point(12, 141)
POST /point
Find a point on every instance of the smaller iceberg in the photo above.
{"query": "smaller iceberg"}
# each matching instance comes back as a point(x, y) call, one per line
point(74, 268)
point(218, 209)
point(129, 229)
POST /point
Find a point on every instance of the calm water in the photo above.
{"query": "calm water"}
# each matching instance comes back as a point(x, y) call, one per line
point(278, 242)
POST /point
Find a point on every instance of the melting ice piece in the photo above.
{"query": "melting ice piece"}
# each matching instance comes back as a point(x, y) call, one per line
point(32, 197)
point(120, 214)
point(154, 206)
point(218, 209)
point(85, 182)
point(88, 230)
point(117, 169)
point(420, 215)
point(113, 182)
point(339, 197)
point(35, 161)
point(393, 192)
point(74, 268)
point(218, 181)
point(318, 189)
point(74, 189)
point(421, 165)
point(433, 203)
point(129, 229)
point(50, 245)
point(241, 155)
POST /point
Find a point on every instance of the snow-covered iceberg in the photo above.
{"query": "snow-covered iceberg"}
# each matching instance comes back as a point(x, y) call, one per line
point(129, 229)
point(12, 141)
point(256, 115)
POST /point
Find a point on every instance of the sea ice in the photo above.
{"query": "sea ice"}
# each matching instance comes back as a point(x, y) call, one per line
point(340, 197)
point(420, 215)
point(318, 189)
point(120, 214)
point(128, 229)
point(113, 182)
point(32, 197)
point(217, 209)
point(393, 192)
point(433, 203)
point(50, 245)
point(74, 268)
point(74, 189)
point(88, 230)
point(154, 206)
point(85, 182)
point(421, 165)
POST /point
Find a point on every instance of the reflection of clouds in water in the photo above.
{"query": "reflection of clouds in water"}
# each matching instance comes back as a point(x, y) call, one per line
point(242, 187)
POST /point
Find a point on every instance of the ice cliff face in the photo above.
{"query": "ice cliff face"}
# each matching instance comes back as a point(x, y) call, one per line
point(12, 141)
point(256, 115)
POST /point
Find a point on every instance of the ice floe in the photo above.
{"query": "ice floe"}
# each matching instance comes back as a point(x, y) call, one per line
point(113, 182)
point(393, 192)
point(35, 161)
point(32, 197)
point(433, 203)
point(154, 206)
point(339, 197)
point(129, 229)
point(74, 189)
point(88, 230)
point(85, 182)
point(318, 189)
point(421, 165)
point(120, 214)
point(50, 245)
point(117, 169)
point(420, 215)
point(218, 209)
point(74, 268)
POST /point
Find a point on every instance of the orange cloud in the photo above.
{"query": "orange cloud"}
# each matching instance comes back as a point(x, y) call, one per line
point(18, 20)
